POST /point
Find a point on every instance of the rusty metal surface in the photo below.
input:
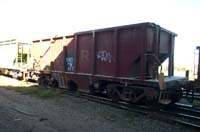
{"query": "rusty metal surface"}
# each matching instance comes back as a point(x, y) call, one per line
point(84, 50)
point(40, 54)
point(57, 54)
point(133, 51)
point(50, 53)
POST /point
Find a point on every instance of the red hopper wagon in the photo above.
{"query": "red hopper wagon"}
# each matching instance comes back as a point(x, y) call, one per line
point(122, 62)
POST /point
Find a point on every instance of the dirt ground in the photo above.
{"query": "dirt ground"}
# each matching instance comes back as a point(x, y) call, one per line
point(23, 113)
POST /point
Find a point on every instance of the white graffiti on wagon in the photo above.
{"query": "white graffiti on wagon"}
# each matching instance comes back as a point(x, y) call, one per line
point(104, 55)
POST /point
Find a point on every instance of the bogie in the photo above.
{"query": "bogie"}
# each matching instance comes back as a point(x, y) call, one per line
point(72, 85)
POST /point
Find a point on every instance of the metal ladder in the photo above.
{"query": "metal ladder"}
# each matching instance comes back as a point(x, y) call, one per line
point(20, 53)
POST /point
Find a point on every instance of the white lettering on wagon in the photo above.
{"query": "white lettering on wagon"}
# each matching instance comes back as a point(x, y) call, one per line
point(104, 55)
point(70, 63)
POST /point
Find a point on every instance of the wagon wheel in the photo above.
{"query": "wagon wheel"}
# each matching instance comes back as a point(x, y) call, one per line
point(114, 96)
point(53, 83)
point(92, 89)
point(99, 89)
point(112, 93)
point(43, 83)
point(177, 96)
point(72, 85)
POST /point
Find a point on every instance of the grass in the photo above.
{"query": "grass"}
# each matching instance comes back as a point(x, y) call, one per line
point(36, 91)
point(28, 88)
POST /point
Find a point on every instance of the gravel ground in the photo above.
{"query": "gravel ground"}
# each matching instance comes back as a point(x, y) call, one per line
point(23, 113)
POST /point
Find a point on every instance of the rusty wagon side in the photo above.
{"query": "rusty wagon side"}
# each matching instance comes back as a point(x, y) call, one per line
point(122, 62)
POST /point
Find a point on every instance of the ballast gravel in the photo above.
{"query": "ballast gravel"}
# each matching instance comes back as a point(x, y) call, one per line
point(23, 113)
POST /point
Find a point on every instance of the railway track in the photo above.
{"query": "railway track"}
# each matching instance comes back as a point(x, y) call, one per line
point(179, 114)
point(103, 100)
point(197, 97)
point(191, 95)
point(184, 115)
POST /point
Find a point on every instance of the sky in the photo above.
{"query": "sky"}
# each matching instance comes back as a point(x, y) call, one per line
point(36, 19)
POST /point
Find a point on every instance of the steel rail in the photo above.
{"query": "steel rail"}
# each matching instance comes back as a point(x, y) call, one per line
point(166, 114)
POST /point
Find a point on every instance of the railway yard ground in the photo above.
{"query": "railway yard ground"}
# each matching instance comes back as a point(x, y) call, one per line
point(20, 112)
